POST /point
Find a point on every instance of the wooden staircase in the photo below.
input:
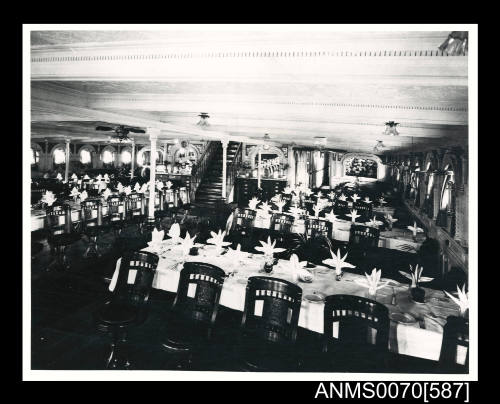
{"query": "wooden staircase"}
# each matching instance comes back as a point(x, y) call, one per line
point(209, 192)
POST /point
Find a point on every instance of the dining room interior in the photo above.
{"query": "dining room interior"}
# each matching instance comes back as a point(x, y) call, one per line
point(259, 200)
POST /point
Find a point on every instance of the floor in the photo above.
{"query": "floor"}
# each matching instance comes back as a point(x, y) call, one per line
point(64, 335)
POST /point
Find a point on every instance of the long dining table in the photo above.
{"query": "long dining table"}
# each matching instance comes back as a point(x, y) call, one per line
point(421, 338)
point(396, 238)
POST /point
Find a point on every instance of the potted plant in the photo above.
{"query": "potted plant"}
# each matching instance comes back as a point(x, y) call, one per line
point(415, 275)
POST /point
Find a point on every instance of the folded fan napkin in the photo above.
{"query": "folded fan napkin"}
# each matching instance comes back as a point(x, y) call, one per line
point(119, 187)
point(174, 232)
point(106, 194)
point(252, 203)
point(144, 188)
point(168, 184)
point(137, 187)
point(187, 243)
point(372, 281)
point(156, 238)
point(59, 176)
point(127, 190)
point(217, 239)
point(338, 262)
point(267, 248)
point(49, 198)
point(159, 185)
point(74, 192)
point(280, 204)
point(298, 270)
point(331, 217)
point(84, 195)
point(462, 301)
point(86, 177)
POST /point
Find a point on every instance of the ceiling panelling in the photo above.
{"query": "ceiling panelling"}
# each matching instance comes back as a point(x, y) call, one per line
point(292, 85)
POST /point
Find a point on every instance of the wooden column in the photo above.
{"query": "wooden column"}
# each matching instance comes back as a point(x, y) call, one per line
point(46, 160)
point(153, 136)
point(224, 167)
point(66, 171)
point(291, 167)
point(132, 160)
point(258, 168)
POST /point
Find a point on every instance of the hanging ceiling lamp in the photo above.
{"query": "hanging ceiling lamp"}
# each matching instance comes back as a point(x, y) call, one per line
point(203, 119)
point(379, 146)
point(390, 129)
point(266, 139)
point(457, 44)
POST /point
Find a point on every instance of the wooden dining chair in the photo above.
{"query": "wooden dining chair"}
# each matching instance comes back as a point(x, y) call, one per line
point(60, 234)
point(316, 227)
point(364, 237)
point(92, 225)
point(190, 321)
point(361, 338)
point(242, 227)
point(117, 214)
point(268, 331)
point(136, 210)
point(364, 210)
point(455, 345)
point(128, 305)
point(341, 208)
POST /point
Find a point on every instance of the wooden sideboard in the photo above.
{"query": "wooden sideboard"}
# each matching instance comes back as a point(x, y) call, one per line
point(246, 188)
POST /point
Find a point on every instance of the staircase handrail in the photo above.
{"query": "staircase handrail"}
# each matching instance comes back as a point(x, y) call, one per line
point(201, 166)
point(232, 169)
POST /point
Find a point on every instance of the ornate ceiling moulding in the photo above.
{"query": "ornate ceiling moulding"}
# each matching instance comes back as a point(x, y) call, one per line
point(234, 54)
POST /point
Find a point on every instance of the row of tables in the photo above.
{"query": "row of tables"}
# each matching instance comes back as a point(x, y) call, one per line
point(420, 339)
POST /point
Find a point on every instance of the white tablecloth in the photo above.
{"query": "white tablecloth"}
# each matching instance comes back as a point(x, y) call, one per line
point(396, 239)
point(404, 339)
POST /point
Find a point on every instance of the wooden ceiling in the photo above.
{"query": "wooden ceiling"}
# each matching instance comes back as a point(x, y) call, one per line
point(294, 85)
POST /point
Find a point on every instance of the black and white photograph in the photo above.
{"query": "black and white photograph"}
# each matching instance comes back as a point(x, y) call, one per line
point(233, 201)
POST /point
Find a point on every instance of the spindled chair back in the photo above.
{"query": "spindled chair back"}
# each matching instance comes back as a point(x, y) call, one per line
point(366, 236)
point(135, 204)
point(272, 308)
point(318, 228)
point(364, 209)
point(455, 341)
point(282, 222)
point(135, 279)
point(91, 212)
point(59, 219)
point(356, 317)
point(117, 209)
point(244, 218)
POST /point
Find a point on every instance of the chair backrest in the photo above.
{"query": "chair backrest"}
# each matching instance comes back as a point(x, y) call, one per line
point(170, 198)
point(341, 207)
point(117, 208)
point(282, 222)
point(37, 194)
point(135, 204)
point(58, 219)
point(135, 279)
point(272, 308)
point(455, 341)
point(198, 292)
point(91, 211)
point(365, 235)
point(318, 227)
point(244, 218)
point(356, 317)
point(364, 209)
